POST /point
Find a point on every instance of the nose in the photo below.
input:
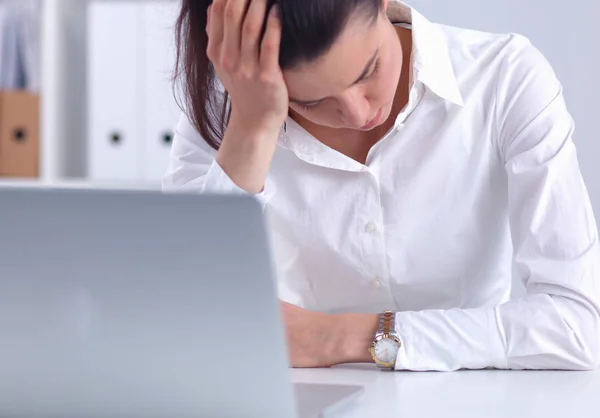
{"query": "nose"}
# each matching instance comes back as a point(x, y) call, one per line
point(355, 110)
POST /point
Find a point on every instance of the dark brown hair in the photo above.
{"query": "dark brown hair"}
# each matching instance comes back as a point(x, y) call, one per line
point(309, 29)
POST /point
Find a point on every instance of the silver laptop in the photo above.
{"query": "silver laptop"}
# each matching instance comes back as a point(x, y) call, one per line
point(137, 304)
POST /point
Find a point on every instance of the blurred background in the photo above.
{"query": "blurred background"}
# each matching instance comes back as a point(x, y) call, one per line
point(86, 90)
point(86, 96)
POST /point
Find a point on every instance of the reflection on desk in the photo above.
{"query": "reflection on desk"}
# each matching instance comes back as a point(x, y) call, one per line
point(464, 394)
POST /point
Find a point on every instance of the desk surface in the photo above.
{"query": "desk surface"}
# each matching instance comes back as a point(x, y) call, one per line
point(464, 394)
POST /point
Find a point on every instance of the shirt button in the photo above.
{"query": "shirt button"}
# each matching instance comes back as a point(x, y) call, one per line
point(371, 227)
point(377, 284)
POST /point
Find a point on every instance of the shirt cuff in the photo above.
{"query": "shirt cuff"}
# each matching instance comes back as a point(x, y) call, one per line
point(438, 340)
point(218, 182)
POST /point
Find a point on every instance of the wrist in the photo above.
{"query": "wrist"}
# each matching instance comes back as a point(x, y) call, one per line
point(245, 155)
point(251, 139)
point(258, 128)
point(356, 334)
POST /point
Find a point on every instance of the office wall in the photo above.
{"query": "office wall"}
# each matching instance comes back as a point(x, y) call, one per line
point(567, 33)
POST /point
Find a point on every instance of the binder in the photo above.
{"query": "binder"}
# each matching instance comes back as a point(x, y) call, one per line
point(19, 134)
point(113, 90)
point(11, 71)
point(159, 107)
point(29, 34)
point(3, 41)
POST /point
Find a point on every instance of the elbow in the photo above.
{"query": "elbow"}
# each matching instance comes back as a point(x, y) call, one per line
point(592, 342)
point(587, 335)
point(595, 363)
point(579, 345)
point(590, 357)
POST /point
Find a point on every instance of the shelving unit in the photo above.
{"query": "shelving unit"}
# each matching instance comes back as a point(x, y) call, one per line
point(64, 63)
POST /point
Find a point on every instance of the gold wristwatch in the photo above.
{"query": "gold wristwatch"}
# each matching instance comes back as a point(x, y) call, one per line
point(386, 345)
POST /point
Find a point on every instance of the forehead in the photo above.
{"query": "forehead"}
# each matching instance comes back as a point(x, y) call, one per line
point(336, 70)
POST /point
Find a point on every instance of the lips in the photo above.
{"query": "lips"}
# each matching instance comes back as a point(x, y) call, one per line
point(373, 121)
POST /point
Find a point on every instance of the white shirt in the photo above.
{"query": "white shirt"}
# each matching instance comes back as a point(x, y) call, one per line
point(478, 181)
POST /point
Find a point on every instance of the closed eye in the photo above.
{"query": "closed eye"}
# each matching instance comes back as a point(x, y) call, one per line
point(309, 106)
point(372, 73)
point(374, 62)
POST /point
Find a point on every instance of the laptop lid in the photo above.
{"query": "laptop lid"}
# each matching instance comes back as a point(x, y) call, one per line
point(120, 304)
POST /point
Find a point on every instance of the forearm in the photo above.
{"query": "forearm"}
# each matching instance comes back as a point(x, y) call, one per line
point(246, 154)
point(536, 332)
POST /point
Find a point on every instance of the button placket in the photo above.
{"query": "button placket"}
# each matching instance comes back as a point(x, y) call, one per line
point(373, 240)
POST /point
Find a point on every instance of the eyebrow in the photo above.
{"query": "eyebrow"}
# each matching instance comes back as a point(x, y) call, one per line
point(364, 73)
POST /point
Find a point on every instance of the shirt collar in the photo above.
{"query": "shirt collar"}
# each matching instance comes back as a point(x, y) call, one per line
point(431, 58)
point(309, 149)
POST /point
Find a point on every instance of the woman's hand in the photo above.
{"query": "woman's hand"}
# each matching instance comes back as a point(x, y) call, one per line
point(247, 64)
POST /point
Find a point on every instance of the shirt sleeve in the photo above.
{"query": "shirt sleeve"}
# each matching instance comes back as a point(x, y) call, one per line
point(556, 325)
point(194, 169)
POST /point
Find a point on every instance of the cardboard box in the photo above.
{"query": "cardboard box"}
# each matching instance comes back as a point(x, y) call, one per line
point(19, 134)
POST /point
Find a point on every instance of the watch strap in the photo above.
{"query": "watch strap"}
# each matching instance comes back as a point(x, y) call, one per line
point(387, 323)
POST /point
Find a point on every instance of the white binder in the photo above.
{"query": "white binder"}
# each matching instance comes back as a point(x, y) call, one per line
point(159, 107)
point(113, 90)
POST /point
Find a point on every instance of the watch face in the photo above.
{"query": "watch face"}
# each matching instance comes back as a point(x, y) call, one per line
point(386, 350)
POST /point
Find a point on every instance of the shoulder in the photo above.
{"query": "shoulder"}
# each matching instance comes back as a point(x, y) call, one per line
point(508, 67)
point(509, 56)
point(188, 141)
point(506, 75)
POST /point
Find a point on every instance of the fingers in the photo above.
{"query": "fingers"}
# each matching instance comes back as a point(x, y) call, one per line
point(233, 21)
point(269, 51)
point(235, 35)
point(252, 30)
point(215, 29)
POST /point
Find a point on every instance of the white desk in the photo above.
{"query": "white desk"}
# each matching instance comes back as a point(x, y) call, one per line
point(464, 394)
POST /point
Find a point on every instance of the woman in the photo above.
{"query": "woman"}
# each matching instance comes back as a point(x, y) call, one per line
point(405, 167)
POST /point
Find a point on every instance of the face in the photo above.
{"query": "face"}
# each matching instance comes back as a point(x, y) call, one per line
point(353, 85)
